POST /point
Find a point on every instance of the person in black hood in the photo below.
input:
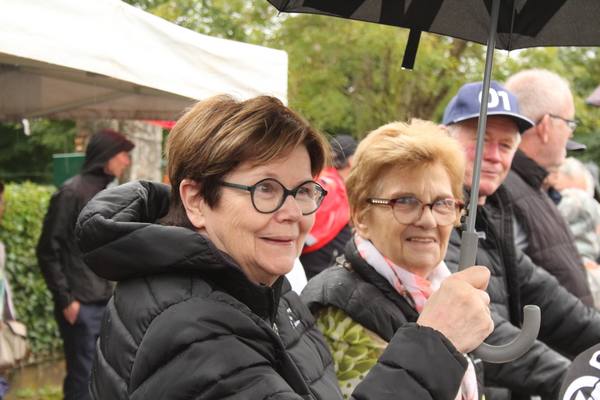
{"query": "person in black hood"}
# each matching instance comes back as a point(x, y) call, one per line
point(79, 294)
point(202, 308)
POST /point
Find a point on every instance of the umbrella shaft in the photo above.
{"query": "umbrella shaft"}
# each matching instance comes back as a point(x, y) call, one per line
point(481, 128)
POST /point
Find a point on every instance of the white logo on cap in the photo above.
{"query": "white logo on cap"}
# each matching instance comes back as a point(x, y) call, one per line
point(575, 389)
point(495, 97)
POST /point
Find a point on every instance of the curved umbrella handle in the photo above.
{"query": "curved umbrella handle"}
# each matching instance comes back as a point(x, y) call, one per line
point(532, 316)
point(519, 345)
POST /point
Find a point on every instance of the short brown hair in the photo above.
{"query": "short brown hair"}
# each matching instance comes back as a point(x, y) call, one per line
point(418, 143)
point(217, 134)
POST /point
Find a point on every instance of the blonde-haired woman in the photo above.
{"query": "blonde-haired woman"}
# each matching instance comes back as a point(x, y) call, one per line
point(405, 193)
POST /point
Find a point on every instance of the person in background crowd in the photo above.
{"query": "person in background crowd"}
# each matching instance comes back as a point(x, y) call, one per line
point(540, 230)
point(567, 324)
point(330, 233)
point(405, 192)
point(582, 213)
point(202, 309)
point(79, 295)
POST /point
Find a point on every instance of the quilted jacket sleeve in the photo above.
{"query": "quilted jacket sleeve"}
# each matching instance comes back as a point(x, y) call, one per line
point(568, 325)
point(419, 363)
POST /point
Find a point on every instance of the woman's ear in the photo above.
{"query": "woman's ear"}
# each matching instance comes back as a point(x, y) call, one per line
point(193, 202)
point(360, 222)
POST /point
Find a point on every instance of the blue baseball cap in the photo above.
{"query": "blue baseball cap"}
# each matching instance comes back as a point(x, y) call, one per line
point(465, 105)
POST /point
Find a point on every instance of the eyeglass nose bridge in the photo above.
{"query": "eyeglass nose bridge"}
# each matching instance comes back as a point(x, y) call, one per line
point(419, 214)
point(286, 193)
point(422, 211)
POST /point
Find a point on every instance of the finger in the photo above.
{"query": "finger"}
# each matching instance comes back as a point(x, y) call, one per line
point(476, 276)
point(484, 296)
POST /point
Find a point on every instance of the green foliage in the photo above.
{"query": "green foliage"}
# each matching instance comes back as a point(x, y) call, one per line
point(346, 76)
point(26, 206)
point(30, 157)
point(247, 21)
point(45, 393)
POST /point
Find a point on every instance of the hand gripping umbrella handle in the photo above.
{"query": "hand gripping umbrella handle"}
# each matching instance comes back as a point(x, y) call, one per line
point(531, 316)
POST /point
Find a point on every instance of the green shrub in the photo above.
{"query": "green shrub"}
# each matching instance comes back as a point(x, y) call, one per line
point(20, 229)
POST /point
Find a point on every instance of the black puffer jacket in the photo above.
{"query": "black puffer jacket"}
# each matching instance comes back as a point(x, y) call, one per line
point(550, 242)
point(66, 275)
point(354, 287)
point(567, 324)
point(185, 322)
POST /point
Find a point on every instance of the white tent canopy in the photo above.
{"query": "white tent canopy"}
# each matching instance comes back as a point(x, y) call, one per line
point(106, 59)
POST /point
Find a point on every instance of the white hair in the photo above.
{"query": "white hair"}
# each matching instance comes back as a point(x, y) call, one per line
point(454, 129)
point(574, 169)
point(540, 92)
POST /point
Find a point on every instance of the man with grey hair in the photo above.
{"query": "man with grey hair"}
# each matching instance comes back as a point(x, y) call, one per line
point(540, 231)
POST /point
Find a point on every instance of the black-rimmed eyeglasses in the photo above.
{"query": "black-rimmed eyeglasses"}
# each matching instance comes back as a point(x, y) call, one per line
point(268, 195)
point(571, 123)
point(409, 209)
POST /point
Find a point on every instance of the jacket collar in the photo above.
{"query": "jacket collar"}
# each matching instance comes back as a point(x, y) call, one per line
point(530, 171)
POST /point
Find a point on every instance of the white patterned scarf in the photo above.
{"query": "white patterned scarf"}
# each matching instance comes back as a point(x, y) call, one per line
point(416, 290)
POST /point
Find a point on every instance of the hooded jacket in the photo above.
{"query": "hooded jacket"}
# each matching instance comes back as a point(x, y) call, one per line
point(186, 323)
point(66, 275)
point(568, 326)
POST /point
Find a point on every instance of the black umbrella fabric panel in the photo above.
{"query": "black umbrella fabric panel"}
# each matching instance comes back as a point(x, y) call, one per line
point(522, 23)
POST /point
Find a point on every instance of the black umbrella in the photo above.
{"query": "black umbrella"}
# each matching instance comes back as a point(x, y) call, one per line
point(503, 24)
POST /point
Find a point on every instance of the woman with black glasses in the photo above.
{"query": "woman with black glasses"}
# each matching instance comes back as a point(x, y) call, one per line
point(202, 309)
point(405, 194)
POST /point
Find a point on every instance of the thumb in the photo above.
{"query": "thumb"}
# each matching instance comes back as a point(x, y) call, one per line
point(476, 276)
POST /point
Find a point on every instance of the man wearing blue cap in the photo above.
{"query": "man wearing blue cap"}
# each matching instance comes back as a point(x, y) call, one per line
point(567, 324)
point(542, 232)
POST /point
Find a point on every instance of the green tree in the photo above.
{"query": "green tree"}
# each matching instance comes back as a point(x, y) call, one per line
point(346, 76)
point(247, 21)
point(30, 157)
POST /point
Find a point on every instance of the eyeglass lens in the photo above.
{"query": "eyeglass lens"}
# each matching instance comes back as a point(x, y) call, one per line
point(269, 194)
point(408, 210)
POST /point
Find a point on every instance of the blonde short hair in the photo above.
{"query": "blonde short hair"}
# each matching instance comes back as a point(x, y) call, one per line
point(217, 134)
point(401, 145)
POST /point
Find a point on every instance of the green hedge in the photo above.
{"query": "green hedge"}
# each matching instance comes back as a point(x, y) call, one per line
point(20, 229)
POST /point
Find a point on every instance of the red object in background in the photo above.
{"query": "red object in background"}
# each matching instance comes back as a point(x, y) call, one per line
point(162, 123)
point(333, 214)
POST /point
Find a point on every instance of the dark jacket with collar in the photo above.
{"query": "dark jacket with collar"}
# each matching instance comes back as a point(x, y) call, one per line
point(186, 323)
point(354, 287)
point(61, 262)
point(568, 325)
point(550, 242)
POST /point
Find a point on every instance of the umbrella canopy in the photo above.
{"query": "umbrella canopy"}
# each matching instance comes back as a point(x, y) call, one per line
point(594, 99)
point(107, 59)
point(521, 24)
